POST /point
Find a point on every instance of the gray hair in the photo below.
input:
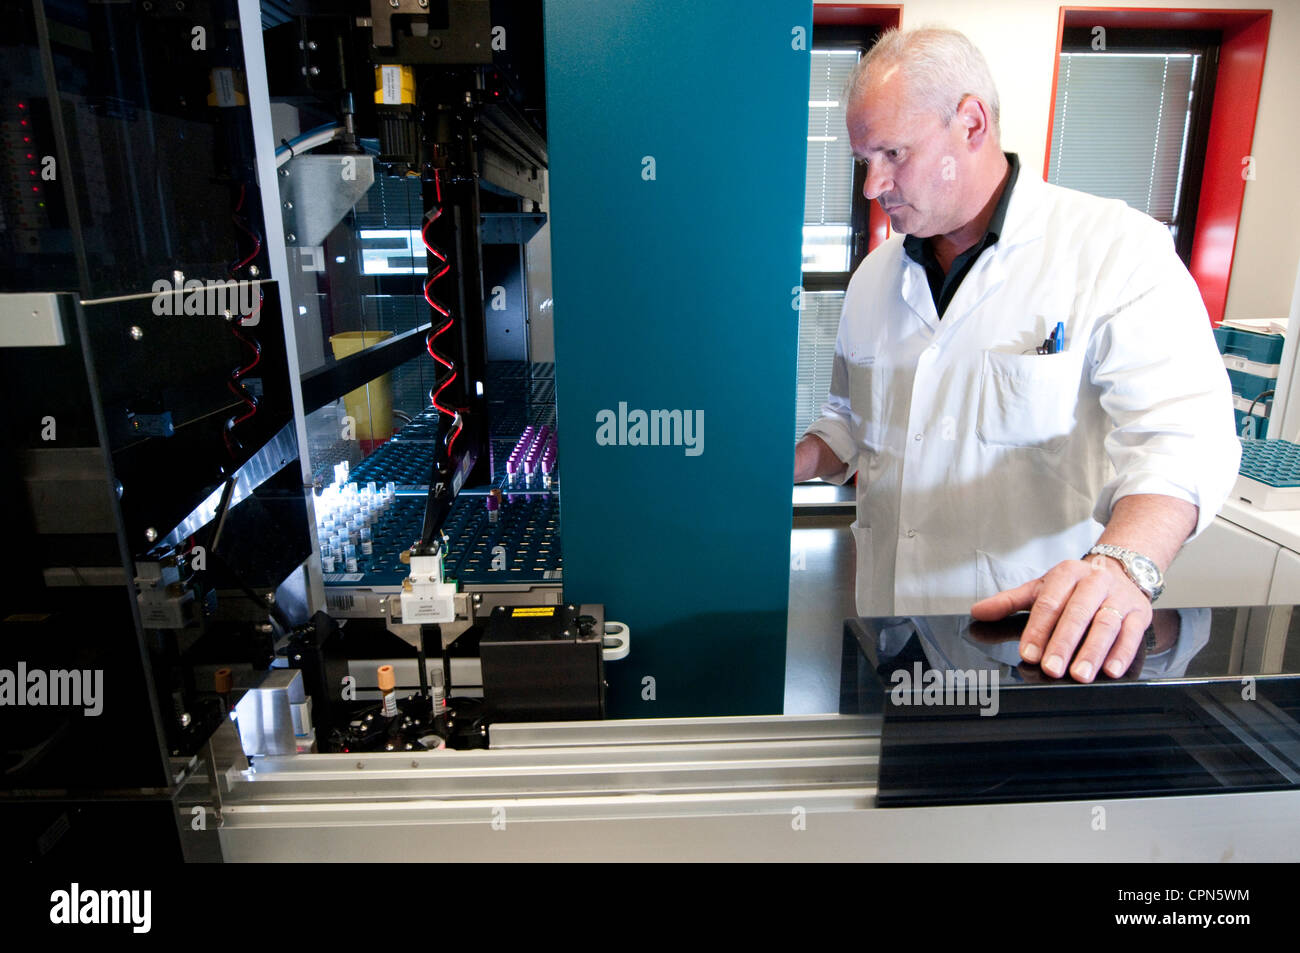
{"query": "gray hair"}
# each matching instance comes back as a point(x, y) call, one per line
point(939, 67)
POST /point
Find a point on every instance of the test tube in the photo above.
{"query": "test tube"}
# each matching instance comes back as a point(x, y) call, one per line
point(388, 686)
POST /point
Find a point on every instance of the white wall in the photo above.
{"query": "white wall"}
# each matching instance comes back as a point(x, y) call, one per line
point(1018, 37)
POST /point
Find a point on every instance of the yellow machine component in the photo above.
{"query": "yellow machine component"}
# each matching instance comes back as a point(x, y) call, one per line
point(394, 86)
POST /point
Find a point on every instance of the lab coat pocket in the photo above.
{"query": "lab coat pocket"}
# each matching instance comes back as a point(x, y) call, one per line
point(1028, 400)
point(994, 575)
point(865, 383)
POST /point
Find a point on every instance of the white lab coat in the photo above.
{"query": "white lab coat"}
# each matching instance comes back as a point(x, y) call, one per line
point(981, 466)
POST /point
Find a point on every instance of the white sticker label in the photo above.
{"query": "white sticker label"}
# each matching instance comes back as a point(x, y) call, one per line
point(223, 81)
point(392, 85)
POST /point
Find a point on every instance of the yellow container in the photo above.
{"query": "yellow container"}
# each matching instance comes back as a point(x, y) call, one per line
point(370, 405)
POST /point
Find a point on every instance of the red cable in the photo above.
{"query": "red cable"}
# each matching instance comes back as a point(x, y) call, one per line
point(236, 388)
point(443, 310)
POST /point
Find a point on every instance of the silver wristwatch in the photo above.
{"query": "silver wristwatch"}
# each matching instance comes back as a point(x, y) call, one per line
point(1145, 574)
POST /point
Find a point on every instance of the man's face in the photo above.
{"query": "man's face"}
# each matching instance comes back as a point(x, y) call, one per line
point(914, 161)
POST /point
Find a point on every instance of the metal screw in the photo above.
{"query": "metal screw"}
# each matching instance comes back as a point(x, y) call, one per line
point(288, 205)
point(415, 764)
point(360, 765)
point(436, 42)
point(254, 270)
point(423, 4)
point(314, 71)
point(291, 237)
point(394, 3)
point(136, 332)
point(151, 534)
point(311, 44)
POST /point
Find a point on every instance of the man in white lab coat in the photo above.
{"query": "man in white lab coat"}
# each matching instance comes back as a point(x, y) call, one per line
point(988, 471)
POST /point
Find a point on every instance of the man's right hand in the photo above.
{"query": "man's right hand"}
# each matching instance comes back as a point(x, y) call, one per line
point(813, 458)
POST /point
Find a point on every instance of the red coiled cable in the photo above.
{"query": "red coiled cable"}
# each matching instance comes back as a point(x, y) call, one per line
point(454, 413)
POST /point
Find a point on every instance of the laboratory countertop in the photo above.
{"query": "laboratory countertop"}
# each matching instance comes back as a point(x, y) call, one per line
point(1281, 526)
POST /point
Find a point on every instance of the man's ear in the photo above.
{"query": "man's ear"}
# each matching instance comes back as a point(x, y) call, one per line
point(975, 119)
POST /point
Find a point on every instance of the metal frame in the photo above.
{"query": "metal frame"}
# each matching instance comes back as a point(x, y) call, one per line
point(701, 789)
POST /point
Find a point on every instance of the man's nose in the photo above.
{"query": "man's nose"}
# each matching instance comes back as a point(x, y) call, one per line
point(876, 184)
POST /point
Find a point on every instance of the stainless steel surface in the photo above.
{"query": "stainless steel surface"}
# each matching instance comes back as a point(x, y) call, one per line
point(821, 597)
point(765, 788)
point(259, 106)
point(68, 490)
point(264, 715)
point(798, 825)
point(317, 191)
point(758, 728)
point(280, 450)
point(31, 320)
point(84, 576)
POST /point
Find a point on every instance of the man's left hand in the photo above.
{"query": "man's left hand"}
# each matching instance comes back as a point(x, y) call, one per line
point(1085, 610)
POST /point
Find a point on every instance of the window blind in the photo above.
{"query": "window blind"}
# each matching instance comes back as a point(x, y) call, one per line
point(828, 187)
point(819, 322)
point(1120, 127)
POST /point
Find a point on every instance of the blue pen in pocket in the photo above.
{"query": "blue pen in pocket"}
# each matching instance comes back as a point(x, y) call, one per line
point(1059, 337)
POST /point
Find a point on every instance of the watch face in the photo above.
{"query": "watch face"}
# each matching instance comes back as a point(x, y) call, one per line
point(1145, 572)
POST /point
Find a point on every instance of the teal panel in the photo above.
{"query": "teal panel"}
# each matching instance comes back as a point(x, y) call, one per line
point(673, 289)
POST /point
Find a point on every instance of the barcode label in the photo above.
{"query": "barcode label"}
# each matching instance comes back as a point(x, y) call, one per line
point(392, 79)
